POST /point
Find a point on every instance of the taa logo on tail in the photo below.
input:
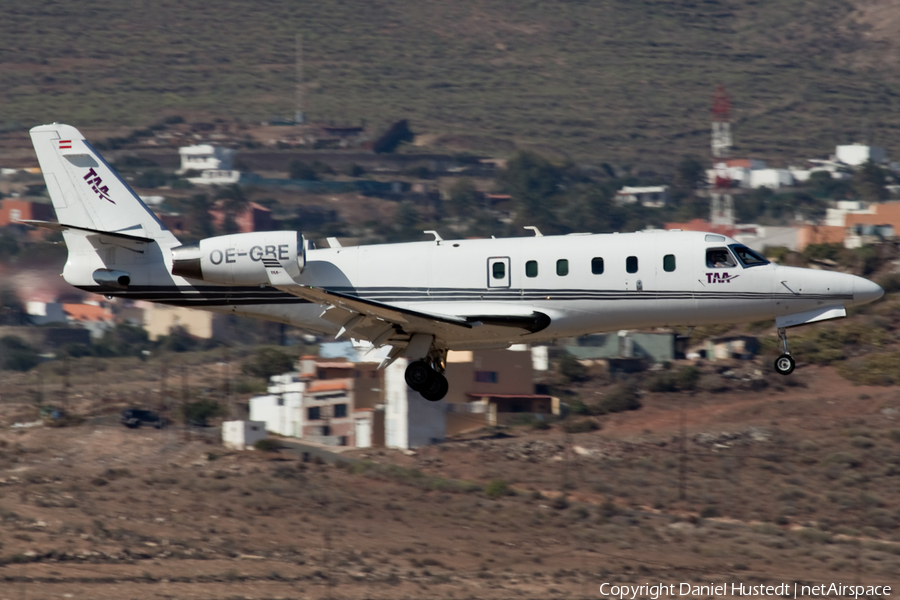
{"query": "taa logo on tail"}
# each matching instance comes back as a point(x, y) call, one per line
point(720, 277)
point(97, 185)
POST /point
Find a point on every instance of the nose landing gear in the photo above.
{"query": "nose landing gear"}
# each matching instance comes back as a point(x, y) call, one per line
point(784, 364)
point(427, 379)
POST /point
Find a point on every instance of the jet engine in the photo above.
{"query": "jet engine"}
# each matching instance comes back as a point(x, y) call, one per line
point(241, 258)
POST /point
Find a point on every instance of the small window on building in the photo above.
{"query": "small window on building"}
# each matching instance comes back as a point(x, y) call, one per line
point(631, 264)
point(312, 413)
point(562, 267)
point(597, 265)
point(531, 269)
point(325, 429)
point(486, 376)
point(499, 270)
point(669, 263)
point(280, 400)
point(340, 411)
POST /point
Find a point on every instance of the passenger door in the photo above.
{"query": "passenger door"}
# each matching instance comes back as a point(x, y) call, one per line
point(498, 272)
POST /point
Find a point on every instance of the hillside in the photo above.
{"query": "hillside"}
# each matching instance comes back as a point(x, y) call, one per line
point(618, 81)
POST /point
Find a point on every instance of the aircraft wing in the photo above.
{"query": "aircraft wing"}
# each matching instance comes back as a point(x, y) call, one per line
point(379, 322)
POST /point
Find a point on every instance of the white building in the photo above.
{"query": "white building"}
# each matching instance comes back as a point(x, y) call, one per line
point(216, 177)
point(42, 313)
point(837, 217)
point(240, 435)
point(281, 410)
point(771, 178)
point(858, 154)
point(410, 421)
point(759, 237)
point(655, 196)
point(205, 157)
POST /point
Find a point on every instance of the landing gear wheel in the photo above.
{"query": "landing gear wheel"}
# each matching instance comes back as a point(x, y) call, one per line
point(784, 364)
point(435, 389)
point(418, 374)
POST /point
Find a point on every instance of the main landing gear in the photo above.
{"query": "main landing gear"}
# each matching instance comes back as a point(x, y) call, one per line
point(426, 380)
point(784, 364)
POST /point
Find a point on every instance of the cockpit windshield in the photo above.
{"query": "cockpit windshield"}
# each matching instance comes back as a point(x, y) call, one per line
point(748, 257)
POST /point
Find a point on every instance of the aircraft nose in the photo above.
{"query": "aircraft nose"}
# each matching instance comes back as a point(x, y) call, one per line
point(865, 291)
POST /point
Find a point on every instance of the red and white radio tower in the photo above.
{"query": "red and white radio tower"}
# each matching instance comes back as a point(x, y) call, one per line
point(721, 209)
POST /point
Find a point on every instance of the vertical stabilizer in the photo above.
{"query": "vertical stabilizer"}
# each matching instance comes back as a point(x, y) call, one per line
point(86, 191)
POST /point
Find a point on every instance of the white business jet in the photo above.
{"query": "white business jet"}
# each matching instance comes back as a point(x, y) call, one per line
point(421, 299)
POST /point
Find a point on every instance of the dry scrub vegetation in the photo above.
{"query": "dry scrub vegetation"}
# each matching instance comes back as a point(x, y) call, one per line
point(801, 483)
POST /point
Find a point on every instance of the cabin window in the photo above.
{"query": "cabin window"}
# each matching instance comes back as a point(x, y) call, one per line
point(312, 413)
point(719, 258)
point(631, 264)
point(531, 269)
point(669, 263)
point(597, 265)
point(562, 267)
point(499, 270)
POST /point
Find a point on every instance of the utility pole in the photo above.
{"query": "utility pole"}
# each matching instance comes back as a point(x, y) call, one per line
point(66, 383)
point(299, 116)
point(163, 403)
point(682, 463)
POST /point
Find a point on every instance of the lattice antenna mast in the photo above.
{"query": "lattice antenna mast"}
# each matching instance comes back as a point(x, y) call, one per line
point(721, 206)
point(721, 124)
point(299, 116)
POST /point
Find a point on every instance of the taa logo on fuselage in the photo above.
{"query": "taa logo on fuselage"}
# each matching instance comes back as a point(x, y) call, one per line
point(723, 277)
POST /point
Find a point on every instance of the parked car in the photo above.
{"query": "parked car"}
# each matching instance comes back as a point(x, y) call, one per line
point(135, 417)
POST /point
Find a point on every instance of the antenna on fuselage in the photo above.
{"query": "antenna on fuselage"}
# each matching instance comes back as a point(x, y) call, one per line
point(437, 236)
point(537, 232)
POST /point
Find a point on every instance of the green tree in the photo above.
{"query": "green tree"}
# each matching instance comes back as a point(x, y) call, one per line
point(406, 219)
point(869, 182)
point(199, 412)
point(823, 185)
point(690, 174)
point(302, 171)
point(267, 362)
point(463, 198)
point(16, 355)
point(12, 311)
point(233, 202)
point(571, 370)
point(199, 219)
point(532, 180)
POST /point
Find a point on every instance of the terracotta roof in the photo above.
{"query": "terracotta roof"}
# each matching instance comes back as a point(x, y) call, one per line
point(702, 225)
point(87, 312)
point(335, 365)
point(328, 385)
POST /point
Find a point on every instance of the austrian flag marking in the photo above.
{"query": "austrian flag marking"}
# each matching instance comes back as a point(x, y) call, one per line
point(65, 144)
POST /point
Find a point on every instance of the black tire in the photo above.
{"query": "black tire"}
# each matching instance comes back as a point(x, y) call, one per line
point(418, 375)
point(436, 389)
point(784, 364)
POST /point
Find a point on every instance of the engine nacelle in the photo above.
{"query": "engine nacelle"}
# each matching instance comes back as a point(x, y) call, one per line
point(238, 259)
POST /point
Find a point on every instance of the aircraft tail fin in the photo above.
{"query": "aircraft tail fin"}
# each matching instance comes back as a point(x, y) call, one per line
point(86, 192)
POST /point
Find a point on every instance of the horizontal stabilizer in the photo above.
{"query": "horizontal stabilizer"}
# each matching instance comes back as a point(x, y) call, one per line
point(112, 234)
